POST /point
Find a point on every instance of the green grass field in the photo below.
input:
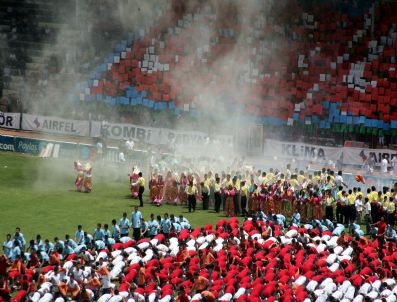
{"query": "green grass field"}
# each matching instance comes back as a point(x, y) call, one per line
point(39, 196)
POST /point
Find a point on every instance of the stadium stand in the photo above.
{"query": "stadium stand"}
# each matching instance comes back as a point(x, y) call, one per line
point(314, 65)
point(40, 43)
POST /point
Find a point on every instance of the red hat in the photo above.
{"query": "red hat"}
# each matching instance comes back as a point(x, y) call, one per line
point(208, 227)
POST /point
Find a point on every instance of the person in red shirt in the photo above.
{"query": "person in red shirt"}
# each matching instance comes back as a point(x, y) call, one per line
point(381, 233)
point(4, 263)
point(4, 289)
point(16, 269)
point(200, 283)
point(182, 297)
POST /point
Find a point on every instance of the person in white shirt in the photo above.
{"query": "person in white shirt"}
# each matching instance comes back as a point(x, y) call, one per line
point(368, 219)
point(130, 144)
point(7, 245)
point(99, 149)
point(394, 165)
point(359, 208)
point(116, 297)
point(339, 180)
point(121, 157)
point(104, 298)
point(365, 288)
point(288, 172)
point(383, 165)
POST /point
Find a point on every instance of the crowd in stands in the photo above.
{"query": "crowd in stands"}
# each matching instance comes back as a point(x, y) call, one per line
point(300, 241)
point(316, 65)
point(47, 47)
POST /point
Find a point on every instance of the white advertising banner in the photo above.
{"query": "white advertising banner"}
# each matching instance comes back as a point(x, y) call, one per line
point(55, 125)
point(196, 138)
point(10, 120)
point(322, 154)
point(126, 131)
point(301, 151)
point(357, 156)
point(156, 136)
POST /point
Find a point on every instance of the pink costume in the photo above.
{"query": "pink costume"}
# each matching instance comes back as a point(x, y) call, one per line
point(80, 176)
point(133, 179)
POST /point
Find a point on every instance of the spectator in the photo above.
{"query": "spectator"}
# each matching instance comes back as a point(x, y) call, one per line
point(79, 236)
point(130, 149)
point(7, 246)
point(383, 165)
point(115, 230)
point(165, 225)
point(368, 219)
point(136, 217)
point(358, 208)
point(124, 225)
point(153, 227)
point(381, 233)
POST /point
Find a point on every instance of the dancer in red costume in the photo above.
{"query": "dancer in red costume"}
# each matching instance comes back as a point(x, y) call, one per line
point(80, 176)
point(133, 179)
point(158, 200)
point(88, 178)
point(153, 188)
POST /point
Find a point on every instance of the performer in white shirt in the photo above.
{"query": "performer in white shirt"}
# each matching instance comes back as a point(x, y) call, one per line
point(383, 165)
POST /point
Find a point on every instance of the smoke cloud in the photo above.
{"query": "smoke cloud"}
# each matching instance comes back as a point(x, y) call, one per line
point(219, 67)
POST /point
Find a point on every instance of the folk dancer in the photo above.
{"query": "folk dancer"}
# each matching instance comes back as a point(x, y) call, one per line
point(158, 199)
point(153, 188)
point(175, 193)
point(229, 201)
point(88, 178)
point(317, 207)
point(182, 196)
point(263, 201)
point(133, 179)
point(169, 181)
point(80, 176)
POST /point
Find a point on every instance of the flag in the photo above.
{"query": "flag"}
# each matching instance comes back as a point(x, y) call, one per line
point(360, 178)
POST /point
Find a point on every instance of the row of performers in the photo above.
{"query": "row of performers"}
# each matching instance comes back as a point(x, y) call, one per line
point(84, 177)
point(175, 190)
point(235, 200)
point(313, 202)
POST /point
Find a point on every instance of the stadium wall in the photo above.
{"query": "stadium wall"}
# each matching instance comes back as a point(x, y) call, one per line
point(322, 154)
point(71, 151)
point(161, 136)
point(151, 135)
